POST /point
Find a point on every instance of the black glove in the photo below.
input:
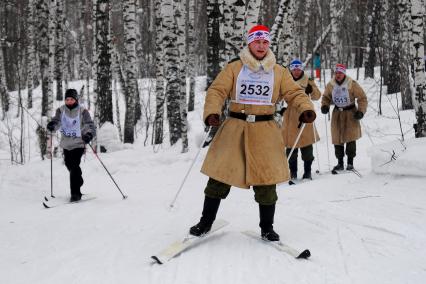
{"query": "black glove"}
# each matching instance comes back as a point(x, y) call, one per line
point(325, 109)
point(308, 116)
point(87, 137)
point(213, 120)
point(358, 115)
point(308, 89)
point(51, 126)
point(282, 111)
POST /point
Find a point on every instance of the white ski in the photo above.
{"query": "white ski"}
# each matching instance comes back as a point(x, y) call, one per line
point(50, 203)
point(280, 246)
point(179, 246)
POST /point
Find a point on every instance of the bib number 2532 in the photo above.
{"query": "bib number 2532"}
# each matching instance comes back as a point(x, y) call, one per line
point(259, 90)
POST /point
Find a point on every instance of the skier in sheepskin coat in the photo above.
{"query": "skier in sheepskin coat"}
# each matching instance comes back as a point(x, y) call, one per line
point(291, 127)
point(248, 149)
point(350, 106)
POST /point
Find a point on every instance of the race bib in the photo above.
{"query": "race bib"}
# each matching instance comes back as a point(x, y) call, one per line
point(340, 96)
point(70, 126)
point(254, 88)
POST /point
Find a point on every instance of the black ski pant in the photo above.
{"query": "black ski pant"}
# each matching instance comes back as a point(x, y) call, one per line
point(339, 150)
point(72, 162)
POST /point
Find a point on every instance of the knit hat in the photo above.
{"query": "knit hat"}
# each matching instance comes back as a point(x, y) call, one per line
point(340, 68)
point(71, 93)
point(258, 32)
point(296, 64)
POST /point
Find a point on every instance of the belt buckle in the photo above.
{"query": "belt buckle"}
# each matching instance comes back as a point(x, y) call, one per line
point(250, 118)
point(340, 109)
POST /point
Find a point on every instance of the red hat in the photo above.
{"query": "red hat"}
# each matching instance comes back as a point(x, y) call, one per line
point(340, 68)
point(258, 32)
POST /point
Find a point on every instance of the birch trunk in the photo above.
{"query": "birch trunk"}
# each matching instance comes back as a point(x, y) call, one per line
point(31, 52)
point(103, 48)
point(372, 7)
point(334, 49)
point(215, 40)
point(159, 72)
point(181, 36)
point(417, 13)
point(59, 48)
point(277, 27)
point(286, 49)
point(129, 20)
point(404, 54)
point(192, 52)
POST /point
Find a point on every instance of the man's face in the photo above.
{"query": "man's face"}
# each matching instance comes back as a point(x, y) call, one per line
point(259, 48)
point(296, 73)
point(70, 101)
point(339, 76)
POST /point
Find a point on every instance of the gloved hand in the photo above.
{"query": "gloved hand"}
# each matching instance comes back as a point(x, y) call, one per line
point(282, 111)
point(213, 120)
point(87, 137)
point(308, 116)
point(51, 126)
point(308, 89)
point(358, 115)
point(325, 109)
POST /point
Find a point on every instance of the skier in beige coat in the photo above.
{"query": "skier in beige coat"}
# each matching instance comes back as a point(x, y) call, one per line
point(247, 150)
point(350, 105)
point(290, 129)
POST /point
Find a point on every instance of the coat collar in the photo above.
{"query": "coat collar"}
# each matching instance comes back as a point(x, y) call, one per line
point(255, 65)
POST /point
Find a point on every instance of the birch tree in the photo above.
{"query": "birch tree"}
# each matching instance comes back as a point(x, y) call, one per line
point(4, 96)
point(181, 47)
point(159, 75)
point(373, 8)
point(394, 77)
point(404, 53)
point(277, 27)
point(171, 59)
point(287, 46)
point(103, 48)
point(59, 48)
point(334, 49)
point(417, 13)
point(51, 55)
point(31, 52)
point(43, 48)
point(131, 87)
point(191, 51)
point(215, 41)
point(252, 15)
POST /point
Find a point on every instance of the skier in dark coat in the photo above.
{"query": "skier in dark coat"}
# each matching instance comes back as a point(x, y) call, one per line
point(77, 130)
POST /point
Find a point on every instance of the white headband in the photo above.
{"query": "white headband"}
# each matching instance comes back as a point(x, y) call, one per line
point(257, 35)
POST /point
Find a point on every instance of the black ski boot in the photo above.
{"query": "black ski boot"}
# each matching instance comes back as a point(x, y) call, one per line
point(75, 197)
point(266, 213)
point(339, 166)
point(293, 168)
point(211, 205)
point(350, 165)
point(307, 166)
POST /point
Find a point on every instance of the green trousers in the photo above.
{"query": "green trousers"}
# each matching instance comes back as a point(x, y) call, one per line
point(339, 150)
point(307, 153)
point(263, 194)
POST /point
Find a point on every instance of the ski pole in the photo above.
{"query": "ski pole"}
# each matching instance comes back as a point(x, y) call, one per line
point(316, 147)
point(190, 168)
point(94, 152)
point(51, 165)
point(297, 140)
point(326, 135)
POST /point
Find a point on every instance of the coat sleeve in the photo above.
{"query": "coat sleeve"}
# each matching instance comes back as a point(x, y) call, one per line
point(88, 125)
point(316, 93)
point(326, 97)
point(218, 91)
point(360, 97)
point(294, 95)
point(57, 119)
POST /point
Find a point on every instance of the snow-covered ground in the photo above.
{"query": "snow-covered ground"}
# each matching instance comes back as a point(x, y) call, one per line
point(359, 230)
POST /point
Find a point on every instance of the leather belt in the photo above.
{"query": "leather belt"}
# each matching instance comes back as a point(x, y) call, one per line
point(345, 108)
point(251, 117)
